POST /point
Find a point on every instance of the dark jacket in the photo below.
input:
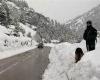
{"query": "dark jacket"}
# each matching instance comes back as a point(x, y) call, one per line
point(90, 34)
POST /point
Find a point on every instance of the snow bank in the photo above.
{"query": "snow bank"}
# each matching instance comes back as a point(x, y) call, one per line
point(11, 45)
point(50, 44)
point(3, 29)
point(63, 67)
point(6, 54)
point(28, 30)
point(15, 45)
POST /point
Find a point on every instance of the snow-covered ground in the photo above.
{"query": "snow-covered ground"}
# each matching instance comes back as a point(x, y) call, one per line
point(13, 52)
point(50, 45)
point(11, 45)
point(27, 29)
point(63, 67)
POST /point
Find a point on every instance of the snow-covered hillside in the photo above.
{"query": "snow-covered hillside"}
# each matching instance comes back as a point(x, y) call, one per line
point(63, 67)
point(11, 45)
point(78, 24)
point(28, 30)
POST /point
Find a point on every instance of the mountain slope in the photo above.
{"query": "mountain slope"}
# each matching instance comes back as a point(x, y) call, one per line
point(78, 24)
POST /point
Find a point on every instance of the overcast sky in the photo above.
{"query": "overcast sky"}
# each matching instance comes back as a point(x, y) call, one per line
point(62, 10)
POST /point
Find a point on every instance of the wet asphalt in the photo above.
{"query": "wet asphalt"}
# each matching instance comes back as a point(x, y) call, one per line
point(29, 65)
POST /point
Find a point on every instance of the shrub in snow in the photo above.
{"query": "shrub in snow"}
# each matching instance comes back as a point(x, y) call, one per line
point(6, 42)
point(29, 35)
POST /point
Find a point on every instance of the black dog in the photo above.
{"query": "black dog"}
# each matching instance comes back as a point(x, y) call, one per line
point(78, 54)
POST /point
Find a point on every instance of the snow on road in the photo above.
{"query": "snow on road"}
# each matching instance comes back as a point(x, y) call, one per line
point(63, 67)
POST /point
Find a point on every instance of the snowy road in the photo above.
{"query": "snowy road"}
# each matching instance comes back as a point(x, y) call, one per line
point(27, 66)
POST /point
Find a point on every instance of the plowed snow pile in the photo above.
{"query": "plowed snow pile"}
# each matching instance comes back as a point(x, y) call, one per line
point(63, 67)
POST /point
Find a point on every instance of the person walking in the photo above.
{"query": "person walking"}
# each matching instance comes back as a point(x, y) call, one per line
point(90, 36)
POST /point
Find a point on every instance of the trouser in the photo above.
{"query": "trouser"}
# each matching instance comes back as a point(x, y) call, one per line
point(90, 46)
